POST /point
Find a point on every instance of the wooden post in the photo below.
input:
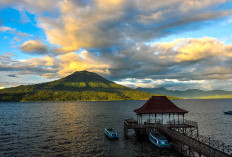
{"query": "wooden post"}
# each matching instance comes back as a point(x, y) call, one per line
point(183, 118)
point(141, 120)
point(178, 123)
point(174, 119)
point(162, 119)
point(155, 117)
point(184, 129)
point(137, 120)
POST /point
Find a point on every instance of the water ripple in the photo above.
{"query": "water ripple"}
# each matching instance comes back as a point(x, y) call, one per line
point(76, 128)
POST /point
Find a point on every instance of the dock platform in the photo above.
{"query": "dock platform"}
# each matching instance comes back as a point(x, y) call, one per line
point(184, 136)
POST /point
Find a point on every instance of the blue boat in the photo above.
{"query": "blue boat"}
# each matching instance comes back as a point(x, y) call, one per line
point(110, 133)
point(228, 112)
point(159, 140)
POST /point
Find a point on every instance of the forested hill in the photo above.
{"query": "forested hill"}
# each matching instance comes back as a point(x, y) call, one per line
point(191, 93)
point(82, 85)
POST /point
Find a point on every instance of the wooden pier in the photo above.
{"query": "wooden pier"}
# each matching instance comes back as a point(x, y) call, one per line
point(183, 134)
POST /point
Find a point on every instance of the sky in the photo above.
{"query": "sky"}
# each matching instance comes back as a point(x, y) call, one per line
point(175, 44)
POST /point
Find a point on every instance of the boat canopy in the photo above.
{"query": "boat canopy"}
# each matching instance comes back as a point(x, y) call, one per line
point(158, 136)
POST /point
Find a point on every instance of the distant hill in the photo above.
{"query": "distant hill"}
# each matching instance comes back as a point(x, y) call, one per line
point(190, 94)
point(82, 85)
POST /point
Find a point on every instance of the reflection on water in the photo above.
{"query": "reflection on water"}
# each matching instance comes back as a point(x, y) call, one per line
point(77, 128)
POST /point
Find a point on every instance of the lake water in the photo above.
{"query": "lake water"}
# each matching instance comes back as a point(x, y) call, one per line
point(77, 128)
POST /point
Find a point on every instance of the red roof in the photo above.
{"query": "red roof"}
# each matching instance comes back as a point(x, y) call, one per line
point(159, 104)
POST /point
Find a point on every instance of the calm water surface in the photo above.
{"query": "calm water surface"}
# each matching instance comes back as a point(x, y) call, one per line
point(76, 128)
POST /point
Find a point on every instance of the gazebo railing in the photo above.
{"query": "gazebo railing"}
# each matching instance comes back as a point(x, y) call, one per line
point(186, 122)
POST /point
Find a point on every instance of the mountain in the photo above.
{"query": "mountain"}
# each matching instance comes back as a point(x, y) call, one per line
point(82, 85)
point(190, 94)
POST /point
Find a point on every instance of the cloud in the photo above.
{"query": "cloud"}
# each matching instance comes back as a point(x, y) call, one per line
point(7, 29)
point(32, 6)
point(184, 59)
point(12, 75)
point(13, 30)
point(36, 66)
point(34, 47)
point(72, 62)
point(23, 34)
point(110, 38)
point(100, 23)
point(52, 66)
point(18, 35)
point(49, 75)
point(157, 83)
point(192, 49)
point(181, 63)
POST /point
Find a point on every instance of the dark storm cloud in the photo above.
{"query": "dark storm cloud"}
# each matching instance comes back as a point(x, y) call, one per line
point(34, 47)
point(12, 75)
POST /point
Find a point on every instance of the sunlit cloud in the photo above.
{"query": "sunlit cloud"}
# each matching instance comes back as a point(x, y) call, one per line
point(97, 24)
point(181, 50)
point(49, 75)
point(72, 62)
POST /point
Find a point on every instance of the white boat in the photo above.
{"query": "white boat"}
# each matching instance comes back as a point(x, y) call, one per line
point(159, 140)
point(110, 133)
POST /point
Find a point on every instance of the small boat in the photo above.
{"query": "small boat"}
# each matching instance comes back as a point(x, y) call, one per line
point(159, 140)
point(110, 133)
point(228, 112)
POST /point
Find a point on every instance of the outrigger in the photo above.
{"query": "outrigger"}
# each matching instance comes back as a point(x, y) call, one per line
point(110, 133)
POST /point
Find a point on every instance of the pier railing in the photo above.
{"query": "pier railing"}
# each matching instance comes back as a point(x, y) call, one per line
point(185, 132)
point(219, 145)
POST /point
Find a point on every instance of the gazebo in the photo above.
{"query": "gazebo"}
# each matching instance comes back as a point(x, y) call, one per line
point(159, 105)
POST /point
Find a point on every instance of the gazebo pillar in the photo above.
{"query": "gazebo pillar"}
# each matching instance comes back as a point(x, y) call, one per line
point(162, 119)
point(178, 122)
point(173, 118)
point(141, 119)
point(183, 118)
point(155, 117)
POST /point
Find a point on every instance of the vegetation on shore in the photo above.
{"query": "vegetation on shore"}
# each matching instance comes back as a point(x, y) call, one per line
point(79, 86)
